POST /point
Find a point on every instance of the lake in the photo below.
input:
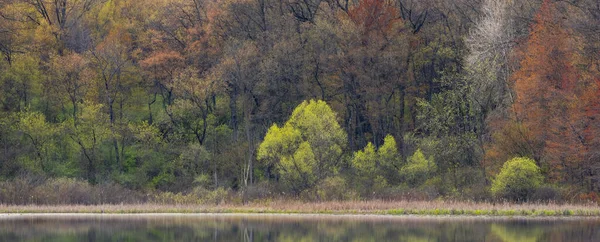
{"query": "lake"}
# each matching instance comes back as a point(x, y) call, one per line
point(257, 227)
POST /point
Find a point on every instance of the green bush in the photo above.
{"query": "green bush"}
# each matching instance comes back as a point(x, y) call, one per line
point(518, 180)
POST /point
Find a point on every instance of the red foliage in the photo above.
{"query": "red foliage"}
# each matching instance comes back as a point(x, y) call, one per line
point(375, 17)
point(163, 64)
point(589, 197)
point(556, 105)
point(544, 78)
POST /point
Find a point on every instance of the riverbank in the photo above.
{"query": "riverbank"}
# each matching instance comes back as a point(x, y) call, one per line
point(431, 208)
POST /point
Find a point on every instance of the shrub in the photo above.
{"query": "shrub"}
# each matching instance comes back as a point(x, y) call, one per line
point(547, 194)
point(517, 180)
point(260, 190)
point(57, 191)
point(334, 188)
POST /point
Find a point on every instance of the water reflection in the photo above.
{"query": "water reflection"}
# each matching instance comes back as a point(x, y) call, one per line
point(291, 228)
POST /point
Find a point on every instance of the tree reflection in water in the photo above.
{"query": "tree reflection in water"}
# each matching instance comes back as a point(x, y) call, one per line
point(293, 228)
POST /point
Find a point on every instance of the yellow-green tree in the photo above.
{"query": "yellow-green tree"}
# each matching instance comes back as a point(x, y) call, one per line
point(518, 179)
point(308, 148)
point(39, 133)
point(418, 169)
point(375, 169)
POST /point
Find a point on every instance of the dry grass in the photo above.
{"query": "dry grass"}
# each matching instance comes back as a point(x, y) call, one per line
point(342, 207)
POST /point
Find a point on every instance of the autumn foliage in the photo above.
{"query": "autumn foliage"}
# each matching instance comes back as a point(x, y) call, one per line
point(425, 98)
point(554, 101)
point(375, 16)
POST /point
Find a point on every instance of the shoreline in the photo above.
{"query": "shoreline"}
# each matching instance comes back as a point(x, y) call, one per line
point(283, 217)
point(361, 208)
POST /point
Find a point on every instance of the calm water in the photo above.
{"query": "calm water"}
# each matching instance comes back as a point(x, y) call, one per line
point(290, 228)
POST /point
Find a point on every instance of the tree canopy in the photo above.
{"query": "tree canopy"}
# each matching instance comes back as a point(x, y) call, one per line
point(375, 98)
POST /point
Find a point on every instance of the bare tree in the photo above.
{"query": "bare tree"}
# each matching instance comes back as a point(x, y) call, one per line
point(489, 43)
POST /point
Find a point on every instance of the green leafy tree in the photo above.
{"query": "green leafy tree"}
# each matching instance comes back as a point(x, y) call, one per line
point(418, 169)
point(518, 179)
point(90, 135)
point(389, 159)
point(367, 179)
point(448, 130)
point(39, 133)
point(308, 148)
point(298, 170)
point(375, 169)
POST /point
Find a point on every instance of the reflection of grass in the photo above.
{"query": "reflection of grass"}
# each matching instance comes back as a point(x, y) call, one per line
point(414, 238)
point(434, 208)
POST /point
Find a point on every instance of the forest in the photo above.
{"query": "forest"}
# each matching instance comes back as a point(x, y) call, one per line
point(193, 101)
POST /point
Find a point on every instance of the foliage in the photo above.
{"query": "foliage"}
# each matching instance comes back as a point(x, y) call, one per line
point(170, 95)
point(375, 169)
point(335, 188)
point(418, 169)
point(307, 148)
point(517, 180)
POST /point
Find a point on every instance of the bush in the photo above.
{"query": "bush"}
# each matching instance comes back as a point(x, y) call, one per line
point(260, 190)
point(334, 188)
point(63, 191)
point(199, 195)
point(547, 194)
point(518, 180)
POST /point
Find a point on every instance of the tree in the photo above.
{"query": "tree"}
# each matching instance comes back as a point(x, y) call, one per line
point(544, 71)
point(517, 180)
point(546, 90)
point(418, 169)
point(489, 43)
point(90, 135)
point(308, 148)
point(374, 18)
point(375, 169)
point(372, 64)
point(318, 126)
point(113, 61)
point(447, 130)
point(71, 78)
point(40, 133)
point(21, 84)
point(62, 18)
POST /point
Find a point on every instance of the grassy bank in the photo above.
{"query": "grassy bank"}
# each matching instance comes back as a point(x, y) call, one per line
point(435, 208)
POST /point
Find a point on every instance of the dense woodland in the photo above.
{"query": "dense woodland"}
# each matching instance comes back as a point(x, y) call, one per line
point(317, 99)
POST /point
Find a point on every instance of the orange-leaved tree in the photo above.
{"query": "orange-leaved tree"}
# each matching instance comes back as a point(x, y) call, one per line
point(544, 86)
point(375, 18)
point(556, 103)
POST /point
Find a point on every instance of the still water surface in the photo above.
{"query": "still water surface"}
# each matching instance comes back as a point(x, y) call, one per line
point(230, 227)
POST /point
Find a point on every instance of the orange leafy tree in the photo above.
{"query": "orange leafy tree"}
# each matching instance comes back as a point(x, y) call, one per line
point(555, 105)
point(588, 128)
point(375, 18)
point(545, 74)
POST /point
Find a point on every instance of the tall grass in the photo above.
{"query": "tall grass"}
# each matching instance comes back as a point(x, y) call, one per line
point(75, 196)
point(433, 208)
